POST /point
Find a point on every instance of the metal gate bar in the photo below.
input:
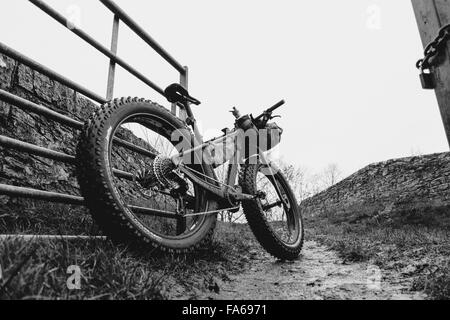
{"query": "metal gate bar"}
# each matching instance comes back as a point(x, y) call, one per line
point(33, 149)
point(124, 175)
point(41, 110)
point(142, 34)
point(70, 199)
point(97, 45)
point(4, 49)
point(37, 109)
point(40, 195)
point(24, 237)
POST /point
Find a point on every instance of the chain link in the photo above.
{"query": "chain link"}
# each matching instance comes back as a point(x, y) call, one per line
point(434, 48)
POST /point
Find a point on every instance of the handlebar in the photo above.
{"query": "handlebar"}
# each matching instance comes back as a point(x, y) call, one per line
point(276, 106)
point(271, 109)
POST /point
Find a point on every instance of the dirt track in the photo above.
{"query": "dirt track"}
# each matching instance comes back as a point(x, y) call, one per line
point(318, 274)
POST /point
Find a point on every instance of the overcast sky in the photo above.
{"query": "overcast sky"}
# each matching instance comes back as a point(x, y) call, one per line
point(345, 68)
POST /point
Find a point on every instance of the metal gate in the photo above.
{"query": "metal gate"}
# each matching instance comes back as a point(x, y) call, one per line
point(111, 53)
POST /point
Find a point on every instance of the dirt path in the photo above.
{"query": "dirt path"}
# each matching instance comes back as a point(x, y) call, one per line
point(318, 274)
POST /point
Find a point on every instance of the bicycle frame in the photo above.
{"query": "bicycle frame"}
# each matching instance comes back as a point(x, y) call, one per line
point(225, 190)
point(221, 189)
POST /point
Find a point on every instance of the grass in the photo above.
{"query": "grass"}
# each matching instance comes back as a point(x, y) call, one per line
point(414, 244)
point(30, 217)
point(38, 270)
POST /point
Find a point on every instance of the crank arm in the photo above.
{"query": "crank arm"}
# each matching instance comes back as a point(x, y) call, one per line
point(242, 196)
point(273, 205)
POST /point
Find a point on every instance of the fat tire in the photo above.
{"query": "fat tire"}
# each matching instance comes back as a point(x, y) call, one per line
point(257, 221)
point(99, 192)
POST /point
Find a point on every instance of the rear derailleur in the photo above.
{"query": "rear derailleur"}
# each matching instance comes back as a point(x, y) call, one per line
point(161, 175)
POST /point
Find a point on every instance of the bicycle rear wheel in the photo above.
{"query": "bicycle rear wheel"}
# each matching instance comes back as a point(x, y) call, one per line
point(129, 184)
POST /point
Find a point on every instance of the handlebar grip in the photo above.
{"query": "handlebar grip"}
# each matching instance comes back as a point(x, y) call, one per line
point(275, 107)
point(270, 110)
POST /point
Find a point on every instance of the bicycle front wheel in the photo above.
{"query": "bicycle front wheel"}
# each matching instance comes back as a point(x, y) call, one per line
point(274, 216)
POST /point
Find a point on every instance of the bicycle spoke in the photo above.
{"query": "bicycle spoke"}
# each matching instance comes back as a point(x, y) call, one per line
point(132, 147)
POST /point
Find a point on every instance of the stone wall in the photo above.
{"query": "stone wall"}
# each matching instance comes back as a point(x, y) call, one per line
point(21, 169)
point(25, 170)
point(387, 188)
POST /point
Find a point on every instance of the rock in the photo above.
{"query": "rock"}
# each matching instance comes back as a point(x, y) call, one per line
point(25, 78)
point(62, 175)
point(7, 66)
point(43, 87)
point(313, 282)
point(213, 285)
point(4, 112)
point(408, 270)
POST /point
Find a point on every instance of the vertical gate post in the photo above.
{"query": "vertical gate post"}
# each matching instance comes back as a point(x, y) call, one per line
point(112, 64)
point(174, 109)
point(431, 15)
point(184, 81)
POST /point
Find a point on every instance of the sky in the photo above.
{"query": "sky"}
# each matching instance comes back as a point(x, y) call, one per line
point(345, 68)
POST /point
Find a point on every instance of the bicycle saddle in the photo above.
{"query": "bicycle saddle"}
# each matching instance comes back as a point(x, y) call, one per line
point(177, 93)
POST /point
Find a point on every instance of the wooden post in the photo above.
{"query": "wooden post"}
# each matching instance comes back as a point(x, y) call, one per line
point(431, 15)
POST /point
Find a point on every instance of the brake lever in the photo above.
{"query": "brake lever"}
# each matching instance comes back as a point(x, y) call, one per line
point(274, 117)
